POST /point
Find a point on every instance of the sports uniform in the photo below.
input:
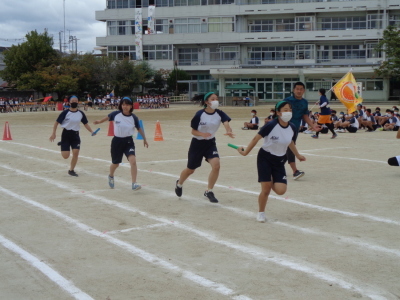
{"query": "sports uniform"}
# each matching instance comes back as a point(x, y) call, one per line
point(272, 156)
point(124, 128)
point(70, 120)
point(205, 147)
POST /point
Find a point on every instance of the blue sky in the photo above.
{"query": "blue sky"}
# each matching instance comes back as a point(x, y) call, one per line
point(18, 17)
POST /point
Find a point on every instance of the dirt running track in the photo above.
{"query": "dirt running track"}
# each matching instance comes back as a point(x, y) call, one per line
point(334, 235)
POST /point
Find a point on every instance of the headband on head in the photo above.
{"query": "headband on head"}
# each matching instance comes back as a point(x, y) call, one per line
point(127, 98)
point(208, 95)
point(280, 104)
point(72, 97)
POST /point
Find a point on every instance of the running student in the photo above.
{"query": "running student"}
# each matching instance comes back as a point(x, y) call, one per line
point(300, 112)
point(205, 124)
point(278, 135)
point(325, 114)
point(70, 119)
point(125, 123)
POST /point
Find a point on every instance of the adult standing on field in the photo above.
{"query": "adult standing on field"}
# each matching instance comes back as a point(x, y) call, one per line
point(204, 125)
point(299, 112)
point(70, 119)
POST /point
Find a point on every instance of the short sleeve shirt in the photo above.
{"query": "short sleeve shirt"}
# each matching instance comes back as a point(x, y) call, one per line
point(299, 109)
point(70, 120)
point(124, 126)
point(206, 122)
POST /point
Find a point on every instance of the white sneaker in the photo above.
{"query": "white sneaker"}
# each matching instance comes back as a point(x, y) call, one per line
point(261, 217)
point(309, 132)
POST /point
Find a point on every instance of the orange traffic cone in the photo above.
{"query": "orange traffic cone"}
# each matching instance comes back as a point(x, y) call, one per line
point(110, 128)
point(158, 137)
point(7, 133)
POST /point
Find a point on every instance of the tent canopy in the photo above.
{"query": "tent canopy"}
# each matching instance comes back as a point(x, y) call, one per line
point(239, 86)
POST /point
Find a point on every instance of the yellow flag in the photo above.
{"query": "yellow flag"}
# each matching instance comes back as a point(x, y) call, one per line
point(346, 91)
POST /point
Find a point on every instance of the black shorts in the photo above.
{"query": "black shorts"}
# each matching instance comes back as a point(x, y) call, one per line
point(291, 158)
point(90, 104)
point(121, 146)
point(396, 128)
point(271, 167)
point(351, 129)
point(255, 127)
point(70, 140)
point(199, 149)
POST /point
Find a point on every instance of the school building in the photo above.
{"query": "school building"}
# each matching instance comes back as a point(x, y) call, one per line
point(267, 44)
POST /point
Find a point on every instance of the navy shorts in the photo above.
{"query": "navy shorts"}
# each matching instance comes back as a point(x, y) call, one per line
point(352, 129)
point(199, 149)
point(70, 140)
point(271, 167)
point(121, 146)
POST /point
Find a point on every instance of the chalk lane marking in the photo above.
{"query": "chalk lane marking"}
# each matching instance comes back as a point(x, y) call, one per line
point(151, 258)
point(46, 270)
point(260, 254)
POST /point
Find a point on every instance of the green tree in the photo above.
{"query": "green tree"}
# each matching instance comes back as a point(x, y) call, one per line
point(144, 73)
point(26, 58)
point(126, 78)
point(390, 44)
point(177, 74)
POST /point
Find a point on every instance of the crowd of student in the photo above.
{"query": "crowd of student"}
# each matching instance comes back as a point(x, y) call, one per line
point(111, 102)
point(8, 105)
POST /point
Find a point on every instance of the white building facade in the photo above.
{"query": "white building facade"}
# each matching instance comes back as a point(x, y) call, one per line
point(268, 44)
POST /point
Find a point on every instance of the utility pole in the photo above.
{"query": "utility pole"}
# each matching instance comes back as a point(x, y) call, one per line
point(65, 44)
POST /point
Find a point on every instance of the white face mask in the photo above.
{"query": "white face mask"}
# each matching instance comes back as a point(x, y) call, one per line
point(350, 115)
point(286, 116)
point(252, 114)
point(214, 104)
point(271, 114)
point(389, 115)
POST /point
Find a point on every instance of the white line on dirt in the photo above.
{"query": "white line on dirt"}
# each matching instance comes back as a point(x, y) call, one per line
point(260, 254)
point(137, 228)
point(50, 273)
point(151, 258)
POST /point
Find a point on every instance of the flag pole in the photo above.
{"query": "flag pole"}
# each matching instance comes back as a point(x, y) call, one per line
point(351, 71)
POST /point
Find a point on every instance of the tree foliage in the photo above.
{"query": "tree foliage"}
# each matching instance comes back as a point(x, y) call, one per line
point(174, 76)
point(390, 44)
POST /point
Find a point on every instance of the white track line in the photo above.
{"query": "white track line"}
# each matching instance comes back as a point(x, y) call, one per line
point(151, 258)
point(259, 254)
point(136, 228)
point(293, 201)
point(50, 273)
point(245, 213)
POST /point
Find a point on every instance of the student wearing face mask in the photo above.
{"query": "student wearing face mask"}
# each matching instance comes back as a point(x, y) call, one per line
point(205, 124)
point(350, 124)
point(278, 135)
point(392, 122)
point(70, 119)
point(253, 124)
point(270, 117)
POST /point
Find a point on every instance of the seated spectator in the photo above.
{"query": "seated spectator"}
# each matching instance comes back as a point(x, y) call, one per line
point(369, 121)
point(270, 117)
point(253, 124)
point(350, 124)
point(392, 123)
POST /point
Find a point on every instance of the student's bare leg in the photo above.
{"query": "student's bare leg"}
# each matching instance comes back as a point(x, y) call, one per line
point(74, 159)
point(263, 196)
point(132, 162)
point(215, 166)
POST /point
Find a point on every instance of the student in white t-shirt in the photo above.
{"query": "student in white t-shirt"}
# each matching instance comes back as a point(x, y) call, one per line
point(125, 123)
point(253, 124)
point(278, 135)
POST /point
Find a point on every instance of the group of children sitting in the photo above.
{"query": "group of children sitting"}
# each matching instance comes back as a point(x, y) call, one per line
point(362, 118)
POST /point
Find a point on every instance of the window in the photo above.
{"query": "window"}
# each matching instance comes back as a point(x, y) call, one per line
point(162, 3)
point(220, 24)
point(375, 21)
point(371, 52)
point(374, 85)
point(121, 27)
point(122, 52)
point(161, 26)
point(270, 53)
point(261, 26)
point(394, 20)
point(305, 23)
point(157, 52)
point(342, 23)
point(348, 52)
point(190, 25)
point(285, 25)
point(305, 51)
point(229, 53)
point(187, 56)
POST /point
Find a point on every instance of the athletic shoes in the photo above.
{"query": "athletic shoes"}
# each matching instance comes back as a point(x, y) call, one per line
point(178, 190)
point(334, 136)
point(111, 181)
point(210, 196)
point(245, 128)
point(341, 130)
point(261, 217)
point(314, 136)
point(308, 132)
point(298, 174)
point(72, 173)
point(136, 186)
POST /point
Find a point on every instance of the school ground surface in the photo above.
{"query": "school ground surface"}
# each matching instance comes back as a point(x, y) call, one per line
point(335, 234)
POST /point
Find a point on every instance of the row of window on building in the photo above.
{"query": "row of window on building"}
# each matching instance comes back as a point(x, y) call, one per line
point(227, 24)
point(255, 54)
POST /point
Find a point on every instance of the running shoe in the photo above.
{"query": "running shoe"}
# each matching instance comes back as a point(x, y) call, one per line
point(334, 136)
point(298, 174)
point(314, 136)
point(72, 173)
point(210, 196)
point(261, 217)
point(111, 181)
point(136, 186)
point(178, 190)
point(245, 128)
point(308, 132)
